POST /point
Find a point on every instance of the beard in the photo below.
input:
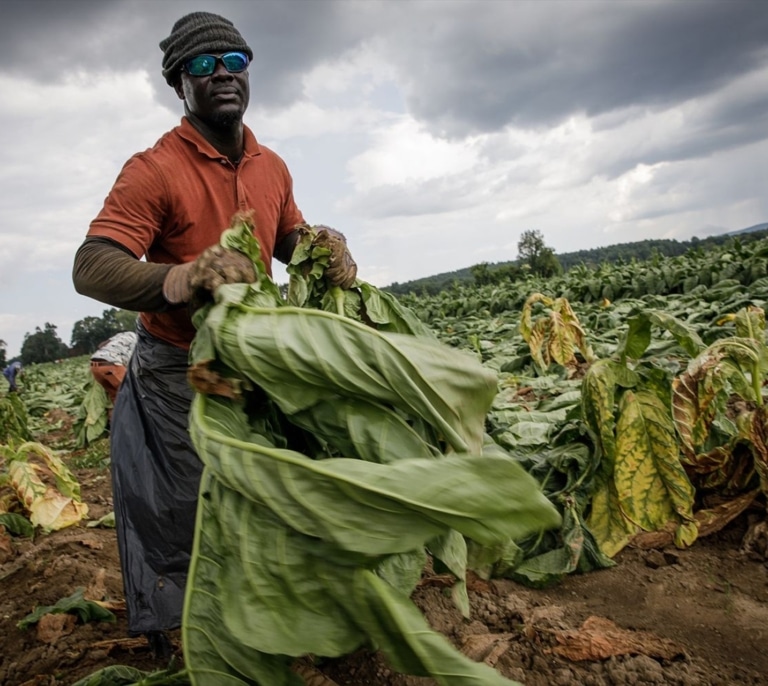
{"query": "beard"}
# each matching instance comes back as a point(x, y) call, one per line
point(226, 120)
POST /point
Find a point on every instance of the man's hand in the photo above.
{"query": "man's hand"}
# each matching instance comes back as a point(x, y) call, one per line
point(342, 269)
point(215, 267)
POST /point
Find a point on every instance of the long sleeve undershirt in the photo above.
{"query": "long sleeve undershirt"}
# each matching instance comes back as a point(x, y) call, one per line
point(107, 272)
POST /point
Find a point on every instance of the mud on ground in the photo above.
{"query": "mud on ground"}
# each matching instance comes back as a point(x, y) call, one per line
point(696, 617)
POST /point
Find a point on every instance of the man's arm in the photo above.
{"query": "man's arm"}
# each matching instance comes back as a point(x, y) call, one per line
point(109, 273)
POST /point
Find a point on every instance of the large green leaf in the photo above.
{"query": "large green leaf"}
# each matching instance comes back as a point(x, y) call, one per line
point(92, 415)
point(371, 509)
point(638, 336)
point(300, 357)
point(283, 594)
point(289, 535)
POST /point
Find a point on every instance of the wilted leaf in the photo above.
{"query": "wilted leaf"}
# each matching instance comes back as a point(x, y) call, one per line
point(6, 545)
point(693, 401)
point(708, 521)
point(599, 638)
point(750, 323)
point(51, 628)
point(49, 508)
point(759, 444)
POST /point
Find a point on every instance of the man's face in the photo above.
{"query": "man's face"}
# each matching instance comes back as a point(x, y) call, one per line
point(220, 99)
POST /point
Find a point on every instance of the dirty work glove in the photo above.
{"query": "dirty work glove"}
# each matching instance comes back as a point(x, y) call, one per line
point(215, 266)
point(342, 270)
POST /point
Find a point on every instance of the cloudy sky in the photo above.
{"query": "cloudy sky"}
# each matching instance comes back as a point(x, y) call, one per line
point(431, 132)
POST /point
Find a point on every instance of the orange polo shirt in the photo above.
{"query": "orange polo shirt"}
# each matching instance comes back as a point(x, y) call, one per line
point(171, 202)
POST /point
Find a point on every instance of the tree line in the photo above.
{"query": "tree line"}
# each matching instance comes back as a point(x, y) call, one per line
point(45, 345)
point(531, 245)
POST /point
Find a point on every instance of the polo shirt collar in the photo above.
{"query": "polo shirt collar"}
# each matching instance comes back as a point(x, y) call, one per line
point(191, 134)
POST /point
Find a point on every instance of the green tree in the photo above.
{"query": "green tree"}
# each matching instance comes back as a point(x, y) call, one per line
point(89, 332)
point(481, 274)
point(126, 320)
point(508, 272)
point(484, 274)
point(43, 346)
point(532, 250)
point(3, 355)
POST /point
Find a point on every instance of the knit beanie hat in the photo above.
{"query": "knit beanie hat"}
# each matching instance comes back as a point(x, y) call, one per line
point(197, 33)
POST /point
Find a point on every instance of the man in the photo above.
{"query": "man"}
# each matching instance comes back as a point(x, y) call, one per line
point(10, 373)
point(170, 205)
point(109, 362)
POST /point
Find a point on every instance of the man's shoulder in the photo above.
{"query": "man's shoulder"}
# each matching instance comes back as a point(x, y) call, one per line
point(264, 154)
point(163, 156)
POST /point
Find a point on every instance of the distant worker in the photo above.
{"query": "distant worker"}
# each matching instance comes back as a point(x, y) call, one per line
point(10, 373)
point(110, 361)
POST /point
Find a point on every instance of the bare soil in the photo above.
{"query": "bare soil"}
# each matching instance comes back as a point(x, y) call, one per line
point(696, 617)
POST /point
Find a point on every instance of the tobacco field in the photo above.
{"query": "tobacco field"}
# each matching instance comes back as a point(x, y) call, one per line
point(543, 482)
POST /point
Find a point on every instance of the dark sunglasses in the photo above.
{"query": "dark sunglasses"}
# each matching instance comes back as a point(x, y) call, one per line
point(205, 65)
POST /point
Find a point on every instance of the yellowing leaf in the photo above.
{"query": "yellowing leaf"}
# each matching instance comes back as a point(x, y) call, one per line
point(611, 529)
point(56, 511)
point(597, 400)
point(651, 484)
point(28, 485)
point(556, 334)
point(536, 342)
point(561, 348)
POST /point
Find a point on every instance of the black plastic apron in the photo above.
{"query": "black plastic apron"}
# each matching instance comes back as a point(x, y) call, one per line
point(155, 479)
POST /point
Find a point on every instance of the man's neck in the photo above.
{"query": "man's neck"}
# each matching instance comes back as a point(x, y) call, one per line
point(227, 139)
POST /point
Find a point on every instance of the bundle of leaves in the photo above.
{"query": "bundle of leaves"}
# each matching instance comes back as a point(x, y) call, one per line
point(49, 386)
point(342, 444)
point(13, 419)
point(92, 418)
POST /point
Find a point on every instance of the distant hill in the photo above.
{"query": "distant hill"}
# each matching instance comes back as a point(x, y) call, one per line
point(638, 250)
point(756, 227)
